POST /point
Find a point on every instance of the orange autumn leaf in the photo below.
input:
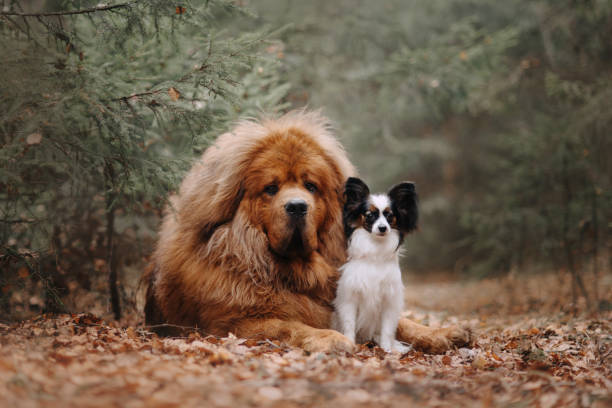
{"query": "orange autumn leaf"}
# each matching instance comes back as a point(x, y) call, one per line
point(23, 272)
point(174, 94)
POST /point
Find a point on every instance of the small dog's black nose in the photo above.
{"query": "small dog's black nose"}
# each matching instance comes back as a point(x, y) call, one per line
point(382, 228)
point(296, 208)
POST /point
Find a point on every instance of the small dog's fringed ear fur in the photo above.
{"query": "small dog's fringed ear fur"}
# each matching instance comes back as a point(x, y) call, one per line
point(404, 204)
point(355, 192)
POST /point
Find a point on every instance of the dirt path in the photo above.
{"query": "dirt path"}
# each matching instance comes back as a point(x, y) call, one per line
point(527, 352)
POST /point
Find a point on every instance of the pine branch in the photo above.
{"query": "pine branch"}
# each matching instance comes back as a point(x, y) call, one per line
point(183, 79)
point(17, 26)
point(19, 221)
point(60, 35)
point(72, 12)
point(137, 95)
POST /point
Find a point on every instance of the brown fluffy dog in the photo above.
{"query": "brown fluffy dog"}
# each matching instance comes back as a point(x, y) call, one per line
point(255, 237)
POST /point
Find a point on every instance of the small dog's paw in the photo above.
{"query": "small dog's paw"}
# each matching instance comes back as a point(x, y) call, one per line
point(400, 347)
point(327, 341)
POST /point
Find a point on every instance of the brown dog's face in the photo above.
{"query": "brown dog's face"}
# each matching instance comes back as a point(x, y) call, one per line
point(288, 190)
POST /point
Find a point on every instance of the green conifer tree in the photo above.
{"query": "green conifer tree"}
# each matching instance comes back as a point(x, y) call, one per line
point(102, 108)
point(526, 98)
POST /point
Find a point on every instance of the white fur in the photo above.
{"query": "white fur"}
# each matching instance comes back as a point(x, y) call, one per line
point(381, 202)
point(370, 295)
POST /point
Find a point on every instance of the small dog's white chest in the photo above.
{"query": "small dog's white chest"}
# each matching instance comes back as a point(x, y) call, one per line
point(365, 278)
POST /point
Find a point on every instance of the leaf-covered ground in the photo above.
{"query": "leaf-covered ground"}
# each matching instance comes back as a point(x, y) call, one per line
point(529, 351)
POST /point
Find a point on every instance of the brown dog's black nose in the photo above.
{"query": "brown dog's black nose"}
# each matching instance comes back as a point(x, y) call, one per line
point(296, 208)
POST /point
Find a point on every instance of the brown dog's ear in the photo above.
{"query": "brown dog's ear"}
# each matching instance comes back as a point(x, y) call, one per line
point(212, 190)
point(226, 215)
point(404, 204)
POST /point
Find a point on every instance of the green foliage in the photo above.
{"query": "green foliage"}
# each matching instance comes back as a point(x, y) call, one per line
point(527, 96)
point(102, 112)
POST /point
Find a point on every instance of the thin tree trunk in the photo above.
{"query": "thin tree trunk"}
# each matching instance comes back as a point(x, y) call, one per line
point(576, 279)
point(110, 232)
point(595, 245)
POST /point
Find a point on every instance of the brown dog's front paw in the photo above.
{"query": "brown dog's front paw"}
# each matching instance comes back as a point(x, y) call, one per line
point(459, 336)
point(433, 340)
point(327, 341)
point(444, 339)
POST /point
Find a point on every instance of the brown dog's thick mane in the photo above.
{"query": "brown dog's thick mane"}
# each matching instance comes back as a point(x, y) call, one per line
point(240, 247)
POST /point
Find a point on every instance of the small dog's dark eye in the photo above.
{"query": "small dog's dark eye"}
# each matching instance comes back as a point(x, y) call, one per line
point(271, 189)
point(310, 187)
point(370, 216)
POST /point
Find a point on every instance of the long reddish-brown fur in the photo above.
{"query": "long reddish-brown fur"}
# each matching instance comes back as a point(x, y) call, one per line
point(225, 261)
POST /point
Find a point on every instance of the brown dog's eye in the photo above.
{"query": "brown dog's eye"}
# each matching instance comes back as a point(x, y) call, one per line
point(271, 189)
point(310, 187)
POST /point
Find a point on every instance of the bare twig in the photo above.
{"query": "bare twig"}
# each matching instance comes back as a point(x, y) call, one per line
point(26, 32)
point(268, 341)
point(19, 221)
point(60, 35)
point(71, 12)
point(175, 326)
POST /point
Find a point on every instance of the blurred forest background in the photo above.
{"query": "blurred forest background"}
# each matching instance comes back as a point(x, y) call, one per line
point(497, 110)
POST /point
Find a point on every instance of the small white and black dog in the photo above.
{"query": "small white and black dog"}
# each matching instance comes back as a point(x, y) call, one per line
point(370, 295)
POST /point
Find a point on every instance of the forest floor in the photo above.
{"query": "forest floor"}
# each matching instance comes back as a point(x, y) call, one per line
point(529, 350)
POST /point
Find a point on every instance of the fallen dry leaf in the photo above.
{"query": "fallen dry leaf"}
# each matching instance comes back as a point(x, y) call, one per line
point(34, 138)
point(527, 358)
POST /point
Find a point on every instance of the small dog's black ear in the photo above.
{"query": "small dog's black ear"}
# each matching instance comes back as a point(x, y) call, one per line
point(355, 191)
point(404, 204)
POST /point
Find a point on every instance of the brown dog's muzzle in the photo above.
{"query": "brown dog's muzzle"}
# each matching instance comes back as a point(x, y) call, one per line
point(291, 229)
point(296, 208)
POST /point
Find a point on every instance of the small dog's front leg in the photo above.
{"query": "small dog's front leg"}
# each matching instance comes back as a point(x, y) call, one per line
point(347, 318)
point(388, 327)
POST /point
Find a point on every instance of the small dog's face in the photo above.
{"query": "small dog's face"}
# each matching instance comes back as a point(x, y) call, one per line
point(378, 218)
point(379, 213)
